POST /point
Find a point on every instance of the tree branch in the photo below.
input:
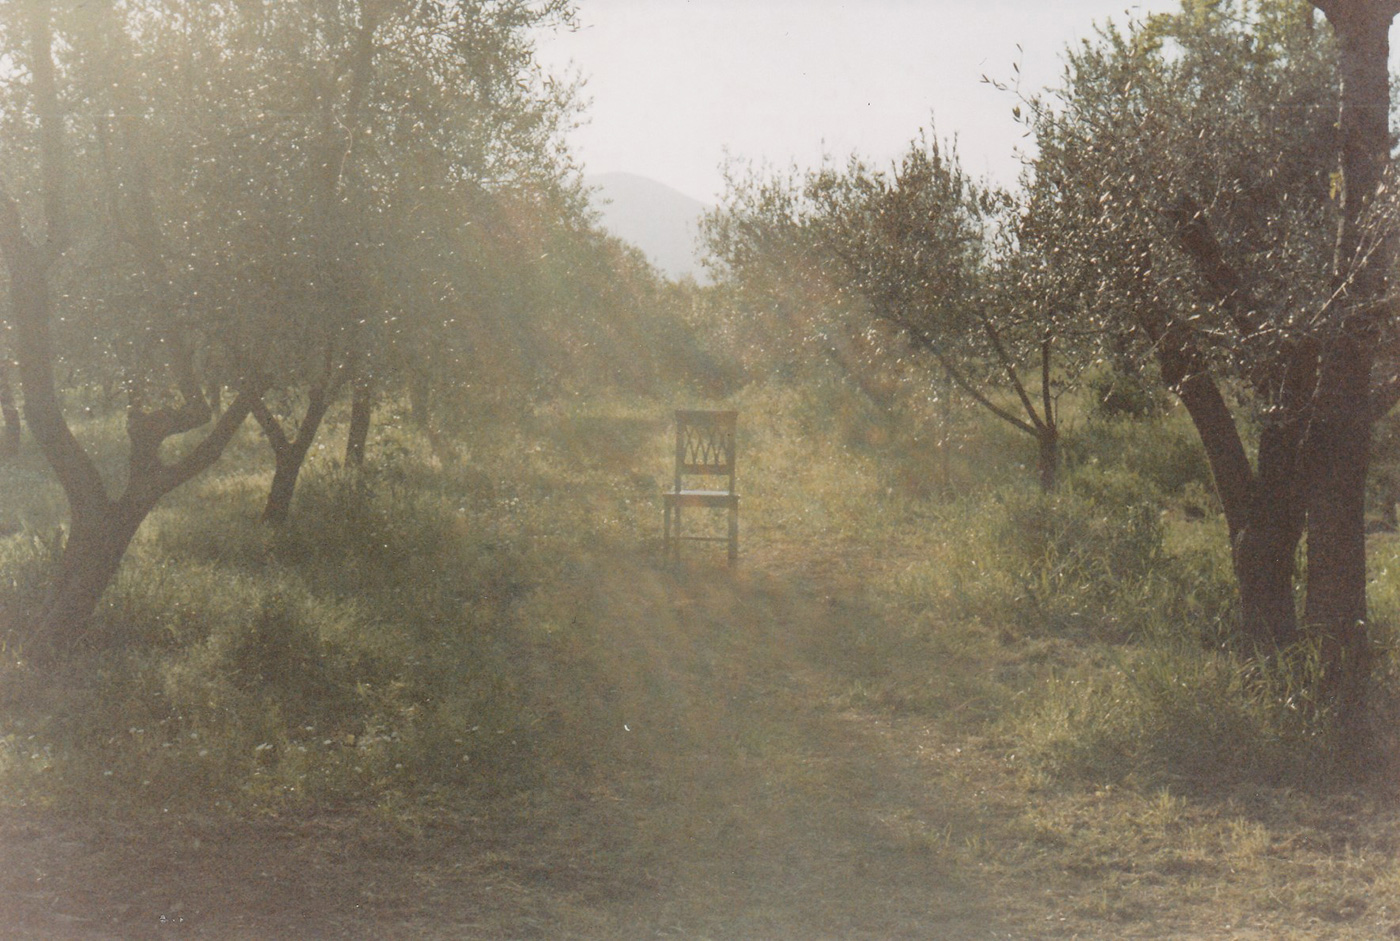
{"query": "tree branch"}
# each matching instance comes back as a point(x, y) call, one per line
point(1223, 282)
point(203, 455)
point(271, 427)
point(52, 159)
point(1009, 367)
point(1184, 372)
point(962, 382)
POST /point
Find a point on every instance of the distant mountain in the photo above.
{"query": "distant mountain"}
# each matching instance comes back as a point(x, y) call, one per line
point(661, 221)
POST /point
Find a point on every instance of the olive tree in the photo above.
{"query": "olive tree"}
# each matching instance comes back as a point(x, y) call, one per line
point(389, 126)
point(86, 245)
point(921, 248)
point(192, 198)
point(1215, 174)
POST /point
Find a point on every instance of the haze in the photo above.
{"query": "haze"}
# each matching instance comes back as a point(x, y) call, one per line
point(676, 83)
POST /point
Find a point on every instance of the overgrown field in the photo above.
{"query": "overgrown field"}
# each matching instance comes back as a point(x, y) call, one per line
point(470, 700)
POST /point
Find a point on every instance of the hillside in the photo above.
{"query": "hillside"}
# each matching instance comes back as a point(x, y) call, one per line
point(661, 221)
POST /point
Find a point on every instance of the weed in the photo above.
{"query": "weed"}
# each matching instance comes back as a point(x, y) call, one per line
point(1174, 716)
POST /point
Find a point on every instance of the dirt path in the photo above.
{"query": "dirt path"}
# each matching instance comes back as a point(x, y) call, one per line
point(754, 805)
point(820, 824)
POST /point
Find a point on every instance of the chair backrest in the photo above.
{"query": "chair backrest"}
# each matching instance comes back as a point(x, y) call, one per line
point(705, 444)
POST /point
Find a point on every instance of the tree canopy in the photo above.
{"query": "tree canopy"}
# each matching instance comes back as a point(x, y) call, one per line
point(1194, 174)
point(920, 249)
point(268, 197)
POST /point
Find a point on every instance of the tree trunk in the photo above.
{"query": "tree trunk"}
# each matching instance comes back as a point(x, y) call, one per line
point(1263, 513)
point(278, 507)
point(1263, 504)
point(1265, 549)
point(1047, 465)
point(361, 407)
point(1264, 559)
point(287, 469)
point(10, 411)
point(101, 528)
point(289, 454)
point(97, 541)
point(1339, 438)
point(1262, 510)
point(1339, 452)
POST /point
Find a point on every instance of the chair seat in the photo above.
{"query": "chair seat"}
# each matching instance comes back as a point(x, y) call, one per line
point(701, 497)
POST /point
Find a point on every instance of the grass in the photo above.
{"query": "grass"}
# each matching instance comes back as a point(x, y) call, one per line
point(1172, 717)
point(997, 711)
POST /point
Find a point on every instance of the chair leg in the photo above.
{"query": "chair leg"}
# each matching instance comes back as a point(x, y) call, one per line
point(733, 534)
point(666, 532)
point(676, 543)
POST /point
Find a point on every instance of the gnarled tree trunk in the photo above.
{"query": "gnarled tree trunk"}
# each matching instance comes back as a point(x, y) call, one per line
point(101, 527)
point(1262, 509)
point(1338, 444)
point(289, 454)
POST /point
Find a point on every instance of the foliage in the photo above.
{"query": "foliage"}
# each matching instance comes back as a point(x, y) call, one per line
point(1207, 183)
point(1179, 717)
point(915, 261)
point(1222, 113)
point(1121, 394)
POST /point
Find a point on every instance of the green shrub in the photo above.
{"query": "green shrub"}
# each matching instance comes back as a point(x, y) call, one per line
point(1081, 564)
point(1164, 452)
point(1174, 715)
point(1119, 393)
point(1096, 560)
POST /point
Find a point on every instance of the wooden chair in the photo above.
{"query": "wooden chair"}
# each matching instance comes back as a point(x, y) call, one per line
point(704, 448)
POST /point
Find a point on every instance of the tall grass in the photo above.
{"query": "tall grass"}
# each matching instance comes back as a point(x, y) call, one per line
point(1176, 716)
point(419, 631)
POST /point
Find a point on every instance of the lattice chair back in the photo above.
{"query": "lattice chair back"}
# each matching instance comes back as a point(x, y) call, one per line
point(705, 445)
point(704, 448)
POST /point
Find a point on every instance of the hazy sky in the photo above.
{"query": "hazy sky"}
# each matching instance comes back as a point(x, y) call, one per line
point(676, 82)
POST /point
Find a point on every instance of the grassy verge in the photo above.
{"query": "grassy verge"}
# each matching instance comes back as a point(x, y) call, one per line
point(999, 687)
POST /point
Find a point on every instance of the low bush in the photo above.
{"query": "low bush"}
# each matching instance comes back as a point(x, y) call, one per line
point(1175, 715)
point(1096, 561)
point(1165, 453)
